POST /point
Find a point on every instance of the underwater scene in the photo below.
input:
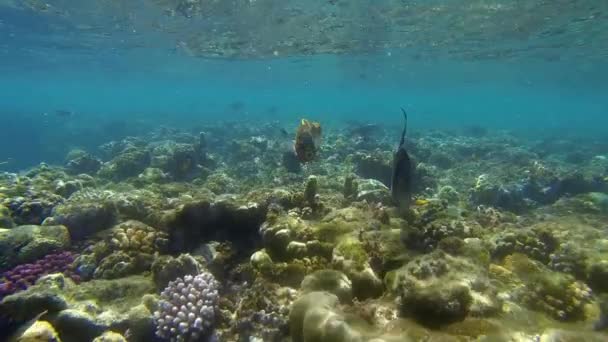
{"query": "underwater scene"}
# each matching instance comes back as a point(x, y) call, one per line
point(306, 171)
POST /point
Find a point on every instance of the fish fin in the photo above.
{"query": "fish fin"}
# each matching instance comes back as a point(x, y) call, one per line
point(404, 127)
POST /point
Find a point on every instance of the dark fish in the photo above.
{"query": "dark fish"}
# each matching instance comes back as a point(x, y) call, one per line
point(64, 113)
point(237, 106)
point(602, 323)
point(476, 131)
point(401, 182)
point(364, 130)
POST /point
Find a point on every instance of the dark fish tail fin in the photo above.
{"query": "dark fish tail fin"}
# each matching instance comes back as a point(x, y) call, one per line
point(404, 127)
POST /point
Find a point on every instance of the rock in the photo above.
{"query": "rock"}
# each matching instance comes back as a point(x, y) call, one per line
point(598, 276)
point(6, 221)
point(83, 312)
point(261, 261)
point(75, 325)
point(350, 257)
point(290, 162)
point(65, 189)
point(153, 175)
point(110, 336)
point(129, 163)
point(40, 331)
point(221, 220)
point(351, 187)
point(449, 194)
point(560, 335)
point(48, 295)
point(438, 289)
point(297, 249)
point(439, 302)
point(140, 323)
point(314, 318)
point(168, 268)
point(373, 191)
point(25, 244)
point(375, 166)
point(311, 190)
point(34, 208)
point(84, 218)
point(366, 284)
point(178, 160)
point(82, 162)
point(331, 281)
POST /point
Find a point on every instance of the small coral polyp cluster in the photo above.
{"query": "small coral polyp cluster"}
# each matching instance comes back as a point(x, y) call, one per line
point(174, 236)
point(187, 308)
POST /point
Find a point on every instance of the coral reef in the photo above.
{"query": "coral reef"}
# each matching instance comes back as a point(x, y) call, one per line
point(504, 240)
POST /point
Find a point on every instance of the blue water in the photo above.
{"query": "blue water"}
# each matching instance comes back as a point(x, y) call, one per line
point(115, 92)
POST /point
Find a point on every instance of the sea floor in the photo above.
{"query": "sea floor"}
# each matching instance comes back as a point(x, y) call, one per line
point(224, 235)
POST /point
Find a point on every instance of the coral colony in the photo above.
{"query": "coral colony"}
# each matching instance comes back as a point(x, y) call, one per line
point(25, 275)
point(187, 308)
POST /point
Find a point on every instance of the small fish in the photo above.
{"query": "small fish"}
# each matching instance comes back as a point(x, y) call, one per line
point(401, 181)
point(421, 202)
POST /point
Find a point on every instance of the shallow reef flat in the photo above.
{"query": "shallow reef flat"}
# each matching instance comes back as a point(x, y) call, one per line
point(221, 236)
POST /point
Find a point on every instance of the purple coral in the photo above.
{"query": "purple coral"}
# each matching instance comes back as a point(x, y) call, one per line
point(187, 308)
point(25, 275)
